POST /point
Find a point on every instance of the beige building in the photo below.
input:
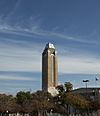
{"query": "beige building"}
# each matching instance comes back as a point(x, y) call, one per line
point(49, 68)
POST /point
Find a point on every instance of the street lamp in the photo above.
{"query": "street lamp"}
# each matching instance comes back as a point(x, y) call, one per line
point(86, 81)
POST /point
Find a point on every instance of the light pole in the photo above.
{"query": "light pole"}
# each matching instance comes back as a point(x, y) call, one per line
point(86, 81)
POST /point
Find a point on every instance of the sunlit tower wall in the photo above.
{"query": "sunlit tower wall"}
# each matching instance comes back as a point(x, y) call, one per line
point(49, 68)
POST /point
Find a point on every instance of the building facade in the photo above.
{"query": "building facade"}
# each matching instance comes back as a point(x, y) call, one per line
point(49, 68)
point(93, 93)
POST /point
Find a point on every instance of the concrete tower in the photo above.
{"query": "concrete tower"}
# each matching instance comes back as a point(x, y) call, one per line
point(49, 68)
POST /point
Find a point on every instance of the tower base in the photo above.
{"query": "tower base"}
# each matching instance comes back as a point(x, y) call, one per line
point(53, 91)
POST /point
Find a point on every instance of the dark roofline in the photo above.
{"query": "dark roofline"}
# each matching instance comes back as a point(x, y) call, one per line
point(90, 88)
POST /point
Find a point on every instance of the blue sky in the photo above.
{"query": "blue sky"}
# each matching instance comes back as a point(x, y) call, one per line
point(73, 26)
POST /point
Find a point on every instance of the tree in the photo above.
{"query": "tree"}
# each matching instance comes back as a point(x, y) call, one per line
point(60, 88)
point(68, 86)
point(23, 97)
point(23, 100)
point(42, 101)
point(95, 105)
point(78, 102)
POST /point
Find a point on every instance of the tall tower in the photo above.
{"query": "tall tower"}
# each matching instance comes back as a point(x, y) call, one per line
point(49, 68)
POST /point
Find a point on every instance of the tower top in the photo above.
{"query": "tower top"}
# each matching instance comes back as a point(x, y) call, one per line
point(49, 45)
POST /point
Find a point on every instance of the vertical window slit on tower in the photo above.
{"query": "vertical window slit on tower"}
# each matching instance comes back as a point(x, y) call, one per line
point(52, 60)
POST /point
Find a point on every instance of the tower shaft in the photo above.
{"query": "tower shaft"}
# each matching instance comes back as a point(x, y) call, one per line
point(49, 68)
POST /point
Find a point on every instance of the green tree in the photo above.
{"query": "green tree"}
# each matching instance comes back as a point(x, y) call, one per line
point(23, 97)
point(23, 100)
point(60, 88)
point(68, 86)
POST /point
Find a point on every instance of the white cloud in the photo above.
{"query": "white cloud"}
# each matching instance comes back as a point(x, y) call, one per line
point(35, 29)
point(18, 58)
point(85, 65)
point(29, 58)
point(17, 78)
